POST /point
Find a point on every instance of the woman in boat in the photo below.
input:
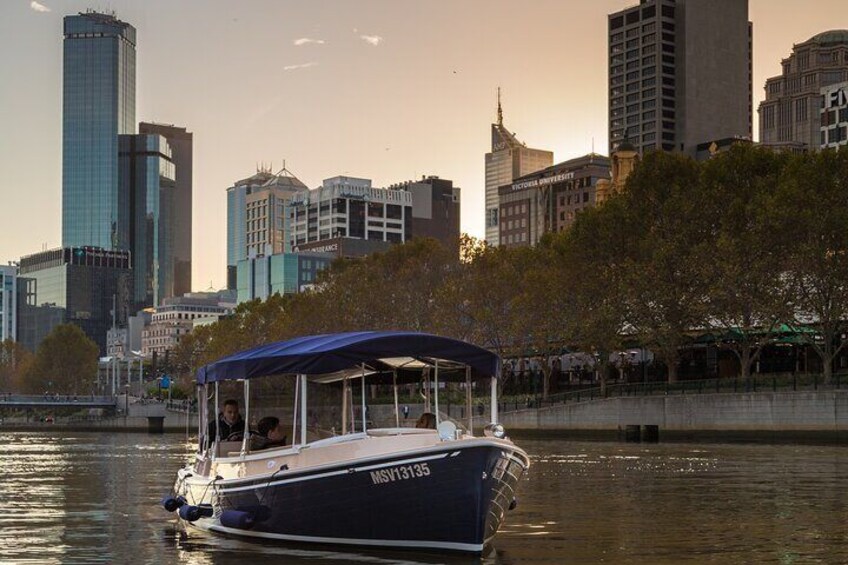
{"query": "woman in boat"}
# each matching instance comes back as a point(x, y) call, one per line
point(426, 421)
point(269, 433)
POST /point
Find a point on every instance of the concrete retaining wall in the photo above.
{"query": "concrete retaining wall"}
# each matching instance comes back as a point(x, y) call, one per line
point(759, 411)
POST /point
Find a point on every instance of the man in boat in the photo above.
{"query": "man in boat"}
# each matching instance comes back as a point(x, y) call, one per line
point(230, 423)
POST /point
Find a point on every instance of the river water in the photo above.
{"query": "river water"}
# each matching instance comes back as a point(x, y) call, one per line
point(93, 498)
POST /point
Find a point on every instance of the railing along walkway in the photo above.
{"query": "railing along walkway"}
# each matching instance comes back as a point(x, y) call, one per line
point(776, 383)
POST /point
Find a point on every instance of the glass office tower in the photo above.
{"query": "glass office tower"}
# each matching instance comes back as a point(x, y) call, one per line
point(98, 105)
point(147, 175)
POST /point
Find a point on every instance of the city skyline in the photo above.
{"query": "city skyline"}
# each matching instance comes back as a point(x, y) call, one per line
point(376, 90)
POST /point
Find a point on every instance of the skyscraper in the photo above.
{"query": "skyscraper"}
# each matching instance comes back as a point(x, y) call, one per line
point(679, 74)
point(257, 217)
point(98, 105)
point(147, 175)
point(8, 303)
point(508, 160)
point(181, 143)
point(790, 114)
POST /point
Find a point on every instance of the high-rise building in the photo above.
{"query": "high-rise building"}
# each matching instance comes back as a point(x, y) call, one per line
point(98, 105)
point(258, 217)
point(790, 113)
point(350, 208)
point(8, 303)
point(435, 209)
point(549, 200)
point(78, 285)
point(181, 142)
point(147, 176)
point(508, 160)
point(680, 74)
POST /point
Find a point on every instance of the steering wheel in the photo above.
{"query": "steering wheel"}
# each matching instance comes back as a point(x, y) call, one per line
point(235, 436)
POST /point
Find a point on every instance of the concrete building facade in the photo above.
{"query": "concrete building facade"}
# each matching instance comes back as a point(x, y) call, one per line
point(680, 74)
point(174, 319)
point(549, 200)
point(834, 116)
point(790, 113)
point(350, 207)
point(435, 209)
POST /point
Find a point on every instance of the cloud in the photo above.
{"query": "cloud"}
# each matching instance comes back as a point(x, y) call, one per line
point(35, 6)
point(308, 40)
point(301, 66)
point(374, 40)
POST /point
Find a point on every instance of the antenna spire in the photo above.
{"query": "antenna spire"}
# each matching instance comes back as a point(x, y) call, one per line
point(500, 111)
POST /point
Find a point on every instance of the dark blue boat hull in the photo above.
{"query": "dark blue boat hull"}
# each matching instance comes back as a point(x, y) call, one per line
point(450, 499)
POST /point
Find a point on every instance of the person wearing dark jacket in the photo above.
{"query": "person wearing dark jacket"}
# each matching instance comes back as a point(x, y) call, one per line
point(269, 433)
point(230, 424)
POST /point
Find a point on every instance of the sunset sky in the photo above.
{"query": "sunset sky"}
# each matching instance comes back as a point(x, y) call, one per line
point(387, 90)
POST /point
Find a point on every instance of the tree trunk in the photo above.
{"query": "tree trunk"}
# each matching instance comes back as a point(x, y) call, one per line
point(745, 361)
point(827, 360)
point(671, 363)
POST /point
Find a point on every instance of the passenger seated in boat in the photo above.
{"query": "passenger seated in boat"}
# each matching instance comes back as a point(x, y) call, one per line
point(269, 433)
point(427, 421)
point(230, 423)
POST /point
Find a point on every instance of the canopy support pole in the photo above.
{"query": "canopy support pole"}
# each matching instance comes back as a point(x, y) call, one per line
point(394, 387)
point(245, 437)
point(217, 421)
point(468, 408)
point(201, 408)
point(345, 387)
point(364, 425)
point(302, 409)
point(436, 383)
point(494, 400)
point(294, 411)
point(427, 389)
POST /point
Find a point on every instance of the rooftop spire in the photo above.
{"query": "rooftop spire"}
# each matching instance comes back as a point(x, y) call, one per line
point(500, 111)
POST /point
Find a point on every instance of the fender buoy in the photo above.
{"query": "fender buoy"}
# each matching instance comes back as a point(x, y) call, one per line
point(171, 503)
point(236, 519)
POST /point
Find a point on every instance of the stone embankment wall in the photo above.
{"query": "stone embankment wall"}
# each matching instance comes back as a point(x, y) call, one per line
point(759, 411)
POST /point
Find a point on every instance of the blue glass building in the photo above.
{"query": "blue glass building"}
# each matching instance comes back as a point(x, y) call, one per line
point(98, 105)
point(283, 273)
point(147, 175)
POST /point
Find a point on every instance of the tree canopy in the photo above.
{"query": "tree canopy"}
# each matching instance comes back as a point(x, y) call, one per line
point(736, 247)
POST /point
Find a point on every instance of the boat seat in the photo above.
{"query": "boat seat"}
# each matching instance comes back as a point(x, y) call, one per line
point(225, 448)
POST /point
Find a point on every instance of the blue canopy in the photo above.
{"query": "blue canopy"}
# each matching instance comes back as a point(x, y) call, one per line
point(331, 353)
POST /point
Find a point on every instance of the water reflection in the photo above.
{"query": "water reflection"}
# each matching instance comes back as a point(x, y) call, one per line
point(94, 498)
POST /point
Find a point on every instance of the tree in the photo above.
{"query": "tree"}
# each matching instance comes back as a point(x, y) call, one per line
point(65, 362)
point(747, 299)
point(810, 215)
point(14, 362)
point(662, 240)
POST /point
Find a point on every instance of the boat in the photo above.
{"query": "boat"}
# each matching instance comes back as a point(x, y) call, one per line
point(395, 486)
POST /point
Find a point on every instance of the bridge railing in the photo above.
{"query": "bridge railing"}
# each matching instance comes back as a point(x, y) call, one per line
point(10, 399)
point(768, 383)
